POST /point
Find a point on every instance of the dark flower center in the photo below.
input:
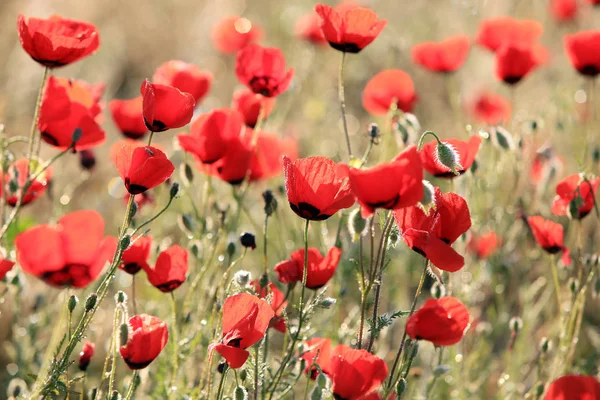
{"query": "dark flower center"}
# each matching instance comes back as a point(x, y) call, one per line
point(589, 70)
point(70, 275)
point(308, 211)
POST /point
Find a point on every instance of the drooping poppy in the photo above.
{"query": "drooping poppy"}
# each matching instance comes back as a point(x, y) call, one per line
point(467, 151)
point(315, 187)
point(185, 77)
point(574, 387)
point(320, 269)
point(278, 303)
point(135, 257)
point(5, 266)
point(71, 253)
point(387, 88)
point(55, 42)
point(263, 70)
point(86, 354)
point(128, 117)
point(445, 56)
point(390, 186)
point(490, 108)
point(165, 107)
point(432, 235)
point(17, 174)
point(245, 321)
point(147, 337)
point(234, 33)
point(575, 188)
point(583, 50)
point(442, 322)
point(483, 246)
point(550, 236)
point(249, 104)
point(170, 269)
point(140, 167)
point(563, 10)
point(495, 32)
point(355, 373)
point(515, 61)
point(316, 351)
point(308, 28)
point(67, 106)
point(349, 30)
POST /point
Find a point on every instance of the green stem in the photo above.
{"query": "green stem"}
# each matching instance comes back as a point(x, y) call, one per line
point(133, 385)
point(113, 368)
point(342, 99)
point(222, 384)
point(556, 283)
point(175, 341)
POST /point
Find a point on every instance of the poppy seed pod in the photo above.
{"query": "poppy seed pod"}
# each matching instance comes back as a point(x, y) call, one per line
point(248, 240)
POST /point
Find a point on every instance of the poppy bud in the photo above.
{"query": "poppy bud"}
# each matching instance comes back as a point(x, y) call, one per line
point(186, 173)
point(222, 367)
point(322, 381)
point(17, 388)
point(374, 133)
point(195, 248)
point(123, 334)
point(356, 224)
point(90, 302)
point(596, 288)
point(327, 302)
point(414, 349)
point(87, 159)
point(248, 240)
point(93, 393)
point(174, 189)
point(516, 324)
point(539, 390)
point(438, 290)
point(428, 200)
point(441, 370)
point(230, 249)
point(502, 138)
point(120, 297)
point(401, 387)
point(243, 375)
point(270, 202)
point(86, 354)
point(573, 285)
point(317, 393)
point(596, 154)
point(545, 345)
point(76, 135)
point(186, 223)
point(73, 300)
point(448, 157)
point(115, 395)
point(240, 393)
point(242, 277)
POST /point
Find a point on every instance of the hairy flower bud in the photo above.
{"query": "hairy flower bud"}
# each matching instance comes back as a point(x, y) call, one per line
point(438, 290)
point(174, 190)
point(447, 156)
point(356, 224)
point(515, 324)
point(270, 202)
point(240, 393)
point(73, 301)
point(90, 302)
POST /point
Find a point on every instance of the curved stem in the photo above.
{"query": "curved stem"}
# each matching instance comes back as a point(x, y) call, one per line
point(342, 98)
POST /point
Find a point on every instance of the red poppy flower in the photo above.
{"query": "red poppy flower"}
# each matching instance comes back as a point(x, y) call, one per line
point(17, 173)
point(574, 387)
point(387, 87)
point(308, 28)
point(234, 33)
point(56, 41)
point(86, 354)
point(185, 77)
point(140, 167)
point(563, 10)
point(128, 117)
point(467, 152)
point(249, 104)
point(442, 322)
point(165, 107)
point(5, 266)
point(495, 32)
point(484, 245)
point(67, 106)
point(211, 133)
point(320, 269)
point(278, 303)
point(593, 2)
point(445, 56)
point(317, 351)
point(266, 161)
point(262, 70)
point(316, 188)
point(391, 186)
point(170, 269)
point(549, 235)
point(135, 257)
point(515, 61)
point(583, 50)
point(432, 235)
point(147, 337)
point(245, 321)
point(574, 187)
point(70, 253)
point(491, 108)
point(355, 373)
point(349, 30)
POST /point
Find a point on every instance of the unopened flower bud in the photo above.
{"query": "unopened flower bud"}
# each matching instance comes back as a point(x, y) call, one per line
point(596, 288)
point(374, 132)
point(414, 349)
point(240, 393)
point(502, 138)
point(195, 248)
point(248, 240)
point(17, 388)
point(186, 174)
point(242, 277)
point(123, 334)
point(77, 133)
point(316, 394)
point(174, 189)
point(539, 390)
point(120, 297)
point(401, 387)
point(545, 345)
point(186, 223)
point(596, 154)
point(125, 242)
point(243, 375)
point(327, 302)
point(447, 156)
point(438, 290)
point(230, 249)
point(115, 395)
point(93, 393)
point(263, 281)
point(270, 202)
point(321, 381)
point(428, 200)
point(515, 324)
point(222, 367)
point(90, 302)
point(573, 285)
point(73, 300)
point(356, 224)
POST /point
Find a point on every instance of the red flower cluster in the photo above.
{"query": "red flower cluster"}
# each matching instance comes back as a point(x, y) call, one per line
point(170, 269)
point(262, 70)
point(234, 33)
point(467, 152)
point(245, 321)
point(445, 56)
point(71, 253)
point(442, 322)
point(17, 173)
point(432, 235)
point(57, 41)
point(147, 337)
point(575, 189)
point(392, 87)
point(320, 269)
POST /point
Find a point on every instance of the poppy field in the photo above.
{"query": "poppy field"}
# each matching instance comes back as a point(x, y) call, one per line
point(293, 200)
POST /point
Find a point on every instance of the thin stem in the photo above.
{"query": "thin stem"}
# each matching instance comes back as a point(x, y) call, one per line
point(133, 385)
point(222, 384)
point(150, 138)
point(265, 243)
point(133, 301)
point(342, 99)
point(256, 355)
point(175, 335)
point(69, 319)
point(34, 122)
point(556, 282)
point(139, 228)
point(111, 381)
